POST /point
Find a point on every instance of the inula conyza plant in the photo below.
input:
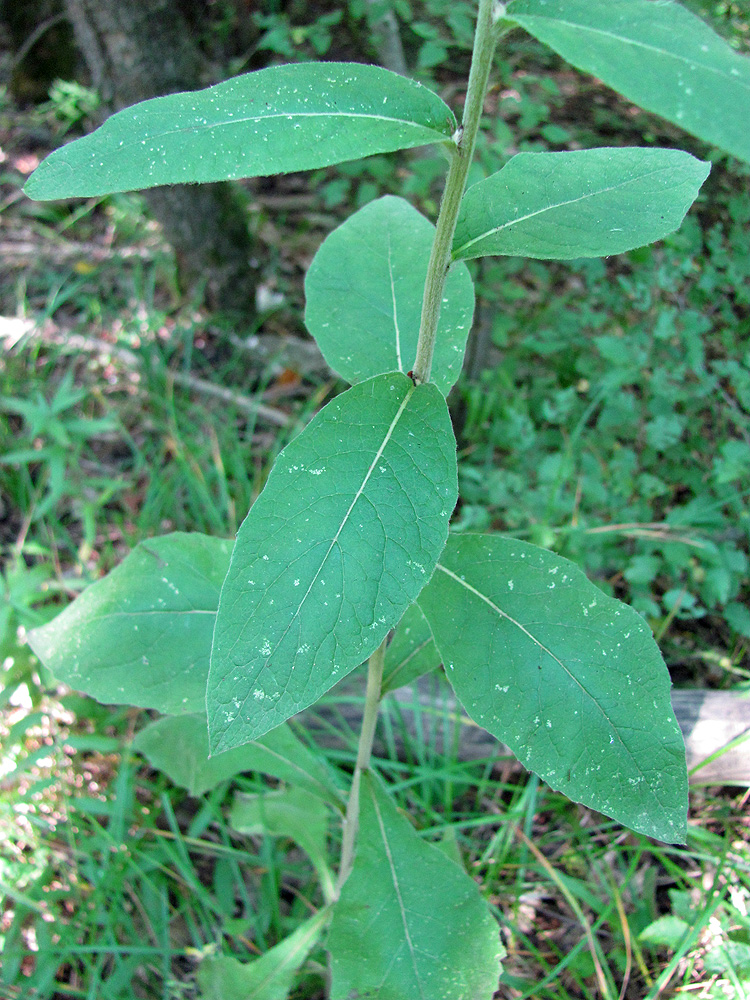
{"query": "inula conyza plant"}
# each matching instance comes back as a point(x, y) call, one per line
point(350, 538)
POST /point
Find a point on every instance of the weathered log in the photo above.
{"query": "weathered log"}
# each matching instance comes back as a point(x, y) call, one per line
point(710, 722)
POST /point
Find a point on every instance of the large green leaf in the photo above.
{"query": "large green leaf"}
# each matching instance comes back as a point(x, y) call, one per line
point(585, 203)
point(409, 922)
point(344, 536)
point(411, 653)
point(288, 812)
point(178, 746)
point(142, 635)
point(568, 677)
point(283, 118)
point(657, 54)
point(269, 977)
point(364, 296)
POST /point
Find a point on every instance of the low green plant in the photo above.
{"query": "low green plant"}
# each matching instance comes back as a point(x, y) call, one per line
point(577, 437)
point(69, 106)
point(280, 36)
point(26, 594)
point(350, 537)
point(53, 440)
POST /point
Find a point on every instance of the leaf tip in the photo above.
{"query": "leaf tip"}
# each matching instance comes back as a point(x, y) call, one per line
point(36, 641)
point(229, 733)
point(41, 184)
point(218, 743)
point(30, 188)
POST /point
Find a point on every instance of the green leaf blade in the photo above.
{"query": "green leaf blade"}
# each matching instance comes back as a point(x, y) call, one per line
point(364, 296)
point(584, 203)
point(344, 536)
point(569, 678)
point(411, 653)
point(284, 118)
point(288, 812)
point(658, 55)
point(414, 913)
point(178, 746)
point(142, 635)
point(269, 977)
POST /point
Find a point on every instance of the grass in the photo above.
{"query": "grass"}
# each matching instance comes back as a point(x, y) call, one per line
point(121, 883)
point(624, 387)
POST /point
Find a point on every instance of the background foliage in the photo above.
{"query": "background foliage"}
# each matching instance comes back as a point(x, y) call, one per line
point(606, 414)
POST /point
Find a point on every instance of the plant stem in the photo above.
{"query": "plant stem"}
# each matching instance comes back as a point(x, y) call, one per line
point(440, 260)
point(485, 39)
point(364, 750)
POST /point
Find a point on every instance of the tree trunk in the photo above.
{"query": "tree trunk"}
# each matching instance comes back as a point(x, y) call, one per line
point(136, 50)
point(37, 47)
point(386, 37)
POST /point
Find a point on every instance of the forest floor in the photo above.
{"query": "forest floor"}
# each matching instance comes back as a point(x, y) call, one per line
point(127, 412)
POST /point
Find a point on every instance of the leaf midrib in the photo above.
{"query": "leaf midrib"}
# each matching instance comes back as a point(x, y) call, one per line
point(396, 328)
point(210, 126)
point(397, 890)
point(387, 437)
point(529, 635)
point(552, 208)
point(144, 614)
point(636, 43)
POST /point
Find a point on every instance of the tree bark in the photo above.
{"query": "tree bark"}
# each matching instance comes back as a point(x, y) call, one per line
point(386, 37)
point(37, 48)
point(136, 50)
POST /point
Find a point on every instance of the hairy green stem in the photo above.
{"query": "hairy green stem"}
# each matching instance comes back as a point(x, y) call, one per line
point(485, 39)
point(440, 260)
point(364, 750)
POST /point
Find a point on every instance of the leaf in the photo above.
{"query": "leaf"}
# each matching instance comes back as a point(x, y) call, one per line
point(667, 931)
point(658, 55)
point(283, 118)
point(289, 812)
point(344, 536)
point(568, 677)
point(448, 844)
point(415, 915)
point(725, 955)
point(585, 203)
point(737, 616)
point(269, 977)
point(411, 653)
point(364, 296)
point(178, 746)
point(142, 635)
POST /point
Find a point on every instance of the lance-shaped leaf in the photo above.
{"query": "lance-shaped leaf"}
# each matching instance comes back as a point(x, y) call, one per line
point(414, 915)
point(585, 203)
point(288, 812)
point(283, 118)
point(658, 55)
point(269, 977)
point(344, 536)
point(411, 653)
point(364, 296)
point(568, 677)
point(142, 635)
point(178, 746)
